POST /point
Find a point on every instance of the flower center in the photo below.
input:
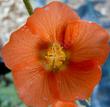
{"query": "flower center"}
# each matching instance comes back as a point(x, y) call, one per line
point(55, 57)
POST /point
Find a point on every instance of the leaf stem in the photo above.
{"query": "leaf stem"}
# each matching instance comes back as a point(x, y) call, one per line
point(28, 6)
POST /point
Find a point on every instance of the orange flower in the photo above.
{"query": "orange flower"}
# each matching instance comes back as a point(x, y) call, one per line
point(56, 56)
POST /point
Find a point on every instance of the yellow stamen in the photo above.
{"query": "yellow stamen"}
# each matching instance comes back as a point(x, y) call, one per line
point(55, 57)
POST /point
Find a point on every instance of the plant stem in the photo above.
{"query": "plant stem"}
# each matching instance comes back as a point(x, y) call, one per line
point(28, 6)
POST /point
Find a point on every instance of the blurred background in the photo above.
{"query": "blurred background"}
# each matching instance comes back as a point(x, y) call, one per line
point(13, 14)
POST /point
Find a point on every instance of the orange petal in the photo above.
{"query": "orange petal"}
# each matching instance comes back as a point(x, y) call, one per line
point(78, 82)
point(22, 47)
point(31, 80)
point(64, 104)
point(33, 87)
point(87, 41)
point(36, 87)
point(50, 21)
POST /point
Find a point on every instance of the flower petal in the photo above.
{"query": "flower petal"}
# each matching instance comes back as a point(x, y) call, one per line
point(64, 104)
point(22, 47)
point(77, 81)
point(87, 41)
point(33, 85)
point(50, 21)
point(21, 55)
